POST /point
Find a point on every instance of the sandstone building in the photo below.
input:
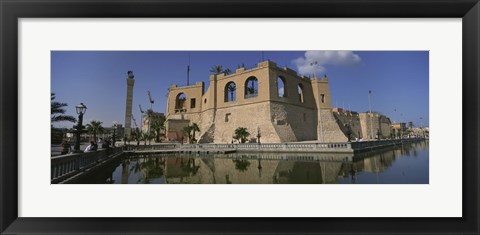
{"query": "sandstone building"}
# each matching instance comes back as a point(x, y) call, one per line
point(270, 101)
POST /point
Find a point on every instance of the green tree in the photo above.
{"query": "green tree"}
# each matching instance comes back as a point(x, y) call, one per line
point(218, 69)
point(231, 89)
point(241, 134)
point(194, 128)
point(189, 167)
point(227, 71)
point(57, 111)
point(251, 88)
point(187, 130)
point(149, 116)
point(241, 165)
point(95, 127)
point(137, 136)
point(190, 131)
point(146, 136)
point(158, 126)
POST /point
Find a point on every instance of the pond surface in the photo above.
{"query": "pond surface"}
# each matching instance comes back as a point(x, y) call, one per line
point(407, 164)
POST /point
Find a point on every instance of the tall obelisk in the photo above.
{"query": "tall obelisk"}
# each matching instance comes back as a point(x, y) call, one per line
point(128, 105)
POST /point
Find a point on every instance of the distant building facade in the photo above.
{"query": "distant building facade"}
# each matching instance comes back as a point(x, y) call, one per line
point(398, 129)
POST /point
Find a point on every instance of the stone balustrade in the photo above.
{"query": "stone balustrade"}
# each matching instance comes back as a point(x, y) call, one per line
point(292, 147)
point(343, 147)
point(150, 147)
point(67, 165)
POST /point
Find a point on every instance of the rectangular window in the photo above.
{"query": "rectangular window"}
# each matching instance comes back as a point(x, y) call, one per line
point(227, 117)
point(322, 97)
point(192, 103)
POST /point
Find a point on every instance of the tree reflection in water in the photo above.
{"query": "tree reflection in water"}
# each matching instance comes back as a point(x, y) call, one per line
point(189, 167)
point(402, 164)
point(241, 165)
point(148, 168)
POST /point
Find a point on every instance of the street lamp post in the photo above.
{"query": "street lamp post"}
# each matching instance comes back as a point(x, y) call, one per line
point(258, 134)
point(81, 109)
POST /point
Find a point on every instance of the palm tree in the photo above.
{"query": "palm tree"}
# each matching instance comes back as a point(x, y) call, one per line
point(189, 167)
point(151, 136)
point(95, 127)
point(149, 115)
point(227, 71)
point(251, 88)
point(57, 110)
point(137, 135)
point(232, 88)
point(146, 136)
point(194, 128)
point(241, 134)
point(216, 69)
point(158, 126)
point(187, 131)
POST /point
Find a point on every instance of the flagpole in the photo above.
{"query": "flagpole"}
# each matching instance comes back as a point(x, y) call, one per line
point(188, 70)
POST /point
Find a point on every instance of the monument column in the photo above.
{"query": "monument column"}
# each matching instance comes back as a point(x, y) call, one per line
point(128, 105)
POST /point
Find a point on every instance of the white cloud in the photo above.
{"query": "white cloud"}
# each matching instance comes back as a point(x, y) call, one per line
point(314, 61)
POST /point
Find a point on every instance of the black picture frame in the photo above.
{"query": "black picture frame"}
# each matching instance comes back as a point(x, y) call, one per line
point(11, 11)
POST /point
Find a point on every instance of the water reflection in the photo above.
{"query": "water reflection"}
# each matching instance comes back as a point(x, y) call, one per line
point(406, 164)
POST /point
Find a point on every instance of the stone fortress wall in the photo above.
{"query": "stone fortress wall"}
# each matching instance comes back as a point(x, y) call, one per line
point(361, 124)
point(280, 105)
point(380, 123)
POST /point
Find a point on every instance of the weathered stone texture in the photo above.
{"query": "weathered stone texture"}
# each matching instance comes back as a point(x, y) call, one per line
point(329, 128)
point(349, 119)
point(128, 107)
point(249, 116)
point(372, 124)
point(293, 123)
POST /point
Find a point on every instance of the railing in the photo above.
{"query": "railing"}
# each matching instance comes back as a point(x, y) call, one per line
point(279, 146)
point(150, 147)
point(65, 165)
point(285, 147)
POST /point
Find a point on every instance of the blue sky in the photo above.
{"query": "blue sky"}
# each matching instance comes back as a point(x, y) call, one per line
point(399, 80)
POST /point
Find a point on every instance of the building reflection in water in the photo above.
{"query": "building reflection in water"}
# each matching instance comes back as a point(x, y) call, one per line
point(268, 168)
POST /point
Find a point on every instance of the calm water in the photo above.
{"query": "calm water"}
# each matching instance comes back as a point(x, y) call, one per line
point(402, 165)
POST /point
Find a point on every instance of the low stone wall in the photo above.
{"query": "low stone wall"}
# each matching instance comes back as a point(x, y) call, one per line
point(370, 145)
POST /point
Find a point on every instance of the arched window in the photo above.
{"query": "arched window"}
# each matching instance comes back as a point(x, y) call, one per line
point(180, 101)
point(281, 87)
point(300, 93)
point(230, 92)
point(251, 87)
